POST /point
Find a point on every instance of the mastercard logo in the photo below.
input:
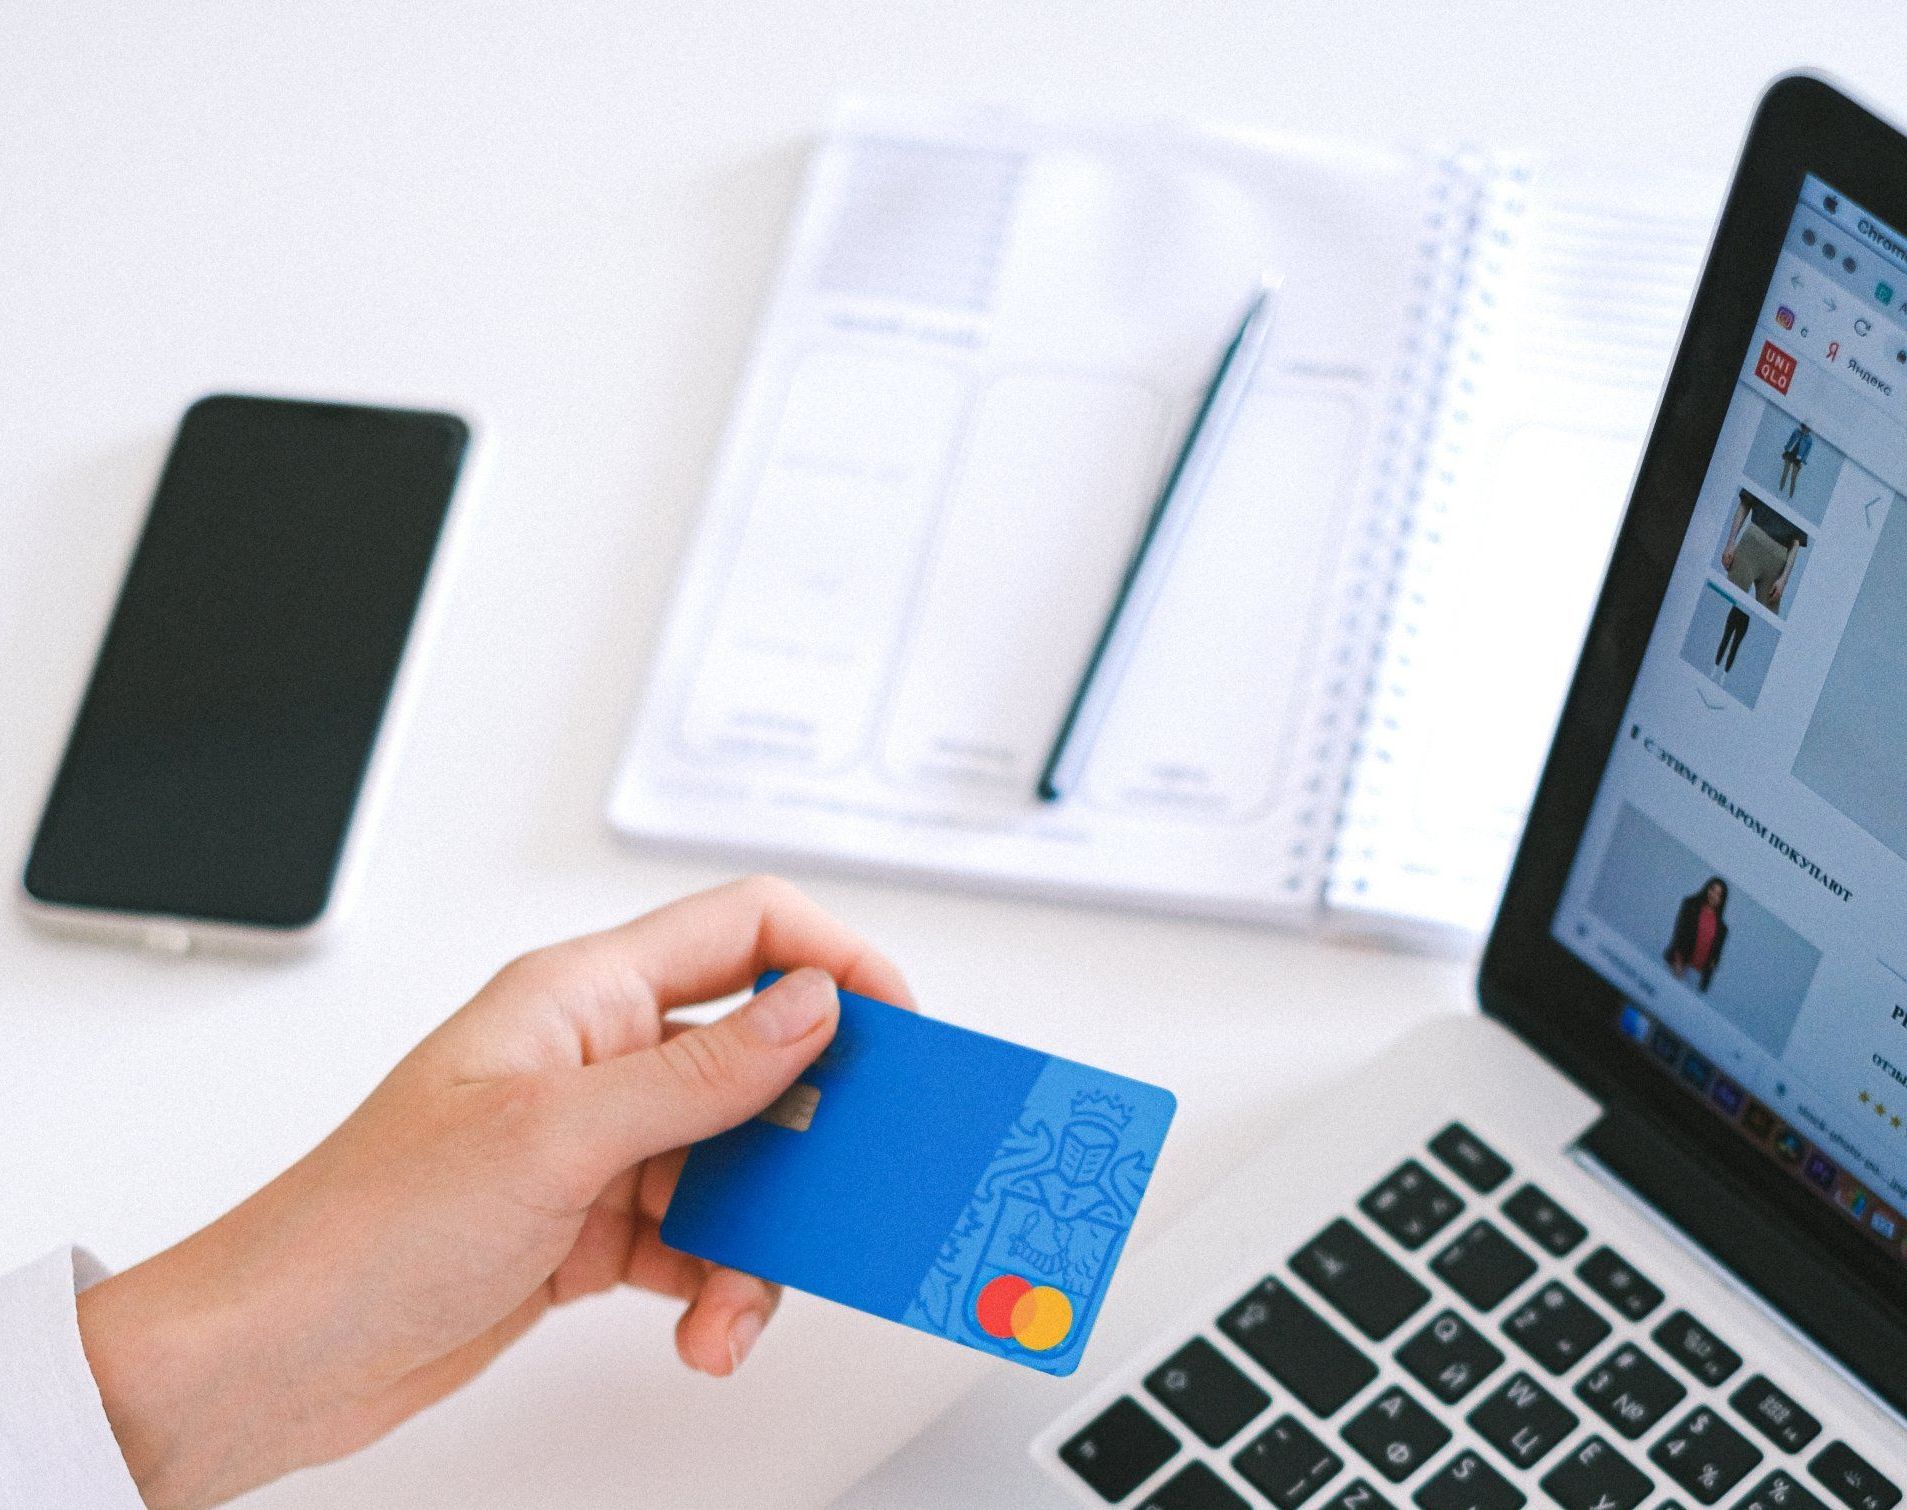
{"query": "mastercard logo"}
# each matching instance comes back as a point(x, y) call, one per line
point(1038, 1317)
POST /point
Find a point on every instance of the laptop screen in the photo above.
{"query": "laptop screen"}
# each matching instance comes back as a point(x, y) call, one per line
point(1742, 878)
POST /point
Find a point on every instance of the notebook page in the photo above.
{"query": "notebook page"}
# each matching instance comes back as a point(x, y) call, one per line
point(985, 345)
point(1568, 323)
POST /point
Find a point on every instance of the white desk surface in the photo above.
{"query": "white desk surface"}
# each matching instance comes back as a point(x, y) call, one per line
point(561, 218)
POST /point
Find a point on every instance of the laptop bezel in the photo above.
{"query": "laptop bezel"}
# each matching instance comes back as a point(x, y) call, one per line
point(1846, 1293)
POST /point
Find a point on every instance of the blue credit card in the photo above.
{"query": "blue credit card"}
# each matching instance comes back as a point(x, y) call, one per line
point(941, 1178)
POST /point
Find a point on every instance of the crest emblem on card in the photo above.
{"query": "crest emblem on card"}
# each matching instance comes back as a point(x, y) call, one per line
point(1038, 1242)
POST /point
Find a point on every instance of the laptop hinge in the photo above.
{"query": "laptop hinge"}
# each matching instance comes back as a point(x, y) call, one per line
point(1786, 1272)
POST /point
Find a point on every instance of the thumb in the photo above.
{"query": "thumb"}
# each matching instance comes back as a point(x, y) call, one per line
point(702, 1081)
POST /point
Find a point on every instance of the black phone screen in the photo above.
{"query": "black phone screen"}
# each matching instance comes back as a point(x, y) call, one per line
point(217, 755)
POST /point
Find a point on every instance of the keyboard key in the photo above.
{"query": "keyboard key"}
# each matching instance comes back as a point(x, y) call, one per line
point(1774, 1415)
point(1411, 1204)
point(1594, 1476)
point(1375, 1293)
point(1630, 1390)
point(1119, 1449)
point(1483, 1266)
point(1287, 1464)
point(1297, 1347)
point(1396, 1435)
point(1194, 1487)
point(1477, 1164)
point(1449, 1357)
point(1616, 1281)
point(1780, 1491)
point(1555, 1328)
point(1466, 1482)
point(1205, 1390)
point(1553, 1228)
point(1696, 1348)
point(1522, 1420)
point(1705, 1455)
point(1852, 1480)
point(1357, 1495)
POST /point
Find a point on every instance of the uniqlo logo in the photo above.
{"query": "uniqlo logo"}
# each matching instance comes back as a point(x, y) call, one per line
point(1775, 367)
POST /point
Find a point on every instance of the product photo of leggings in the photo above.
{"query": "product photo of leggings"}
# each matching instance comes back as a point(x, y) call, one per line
point(1733, 632)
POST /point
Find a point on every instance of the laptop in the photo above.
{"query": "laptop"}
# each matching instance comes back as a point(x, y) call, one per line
point(1636, 1234)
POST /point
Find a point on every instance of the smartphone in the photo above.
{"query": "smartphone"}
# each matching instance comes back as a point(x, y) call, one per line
point(239, 715)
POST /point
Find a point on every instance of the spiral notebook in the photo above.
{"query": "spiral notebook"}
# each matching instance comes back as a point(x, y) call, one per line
point(983, 348)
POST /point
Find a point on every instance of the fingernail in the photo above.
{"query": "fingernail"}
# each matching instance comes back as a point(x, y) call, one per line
point(791, 1008)
point(742, 1336)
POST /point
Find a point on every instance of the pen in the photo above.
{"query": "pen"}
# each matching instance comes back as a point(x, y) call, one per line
point(1152, 558)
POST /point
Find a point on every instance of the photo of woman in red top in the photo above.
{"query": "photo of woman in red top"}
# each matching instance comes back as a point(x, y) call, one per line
point(1699, 932)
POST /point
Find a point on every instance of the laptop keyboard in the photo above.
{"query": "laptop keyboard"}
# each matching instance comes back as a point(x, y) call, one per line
point(1521, 1347)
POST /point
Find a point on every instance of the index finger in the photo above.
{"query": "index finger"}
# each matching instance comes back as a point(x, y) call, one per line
point(718, 941)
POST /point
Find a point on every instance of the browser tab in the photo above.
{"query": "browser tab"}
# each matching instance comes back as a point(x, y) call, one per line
point(1861, 232)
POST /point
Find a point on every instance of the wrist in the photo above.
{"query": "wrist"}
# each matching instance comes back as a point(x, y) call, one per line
point(159, 1345)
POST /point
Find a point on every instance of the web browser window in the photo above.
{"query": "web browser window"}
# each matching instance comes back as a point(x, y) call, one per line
point(1743, 875)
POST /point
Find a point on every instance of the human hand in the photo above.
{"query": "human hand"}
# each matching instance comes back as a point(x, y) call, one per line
point(1728, 558)
point(521, 1156)
point(1775, 589)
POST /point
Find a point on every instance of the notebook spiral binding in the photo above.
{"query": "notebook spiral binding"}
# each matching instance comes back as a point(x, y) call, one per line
point(1451, 265)
point(1488, 243)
